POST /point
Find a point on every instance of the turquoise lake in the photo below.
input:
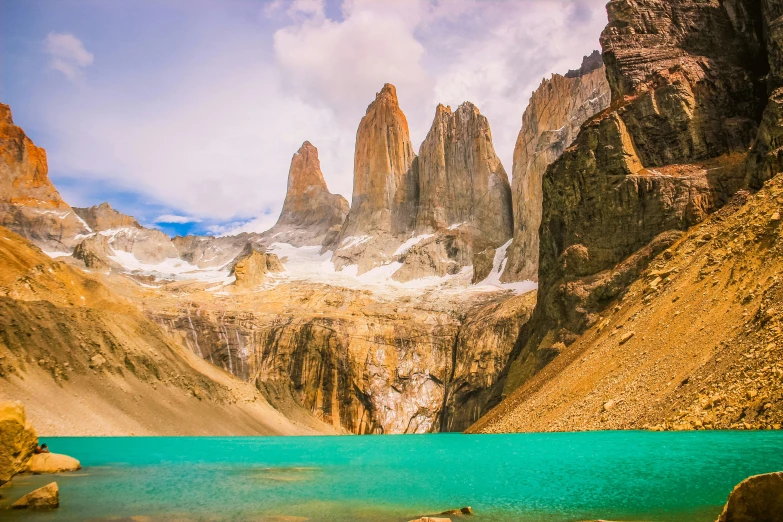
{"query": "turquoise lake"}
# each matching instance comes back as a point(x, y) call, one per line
point(522, 477)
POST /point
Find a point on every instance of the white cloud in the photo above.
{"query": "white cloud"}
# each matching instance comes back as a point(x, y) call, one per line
point(259, 224)
point(67, 54)
point(173, 218)
point(211, 135)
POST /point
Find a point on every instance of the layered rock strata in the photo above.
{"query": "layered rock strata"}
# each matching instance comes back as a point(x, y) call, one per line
point(689, 83)
point(29, 203)
point(551, 122)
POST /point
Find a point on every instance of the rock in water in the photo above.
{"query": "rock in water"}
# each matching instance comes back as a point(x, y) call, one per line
point(311, 214)
point(252, 266)
point(52, 463)
point(47, 497)
point(29, 203)
point(385, 186)
point(755, 499)
point(464, 195)
point(18, 440)
point(551, 122)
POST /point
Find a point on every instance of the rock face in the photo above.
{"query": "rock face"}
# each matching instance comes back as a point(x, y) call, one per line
point(18, 440)
point(311, 214)
point(551, 122)
point(95, 252)
point(464, 195)
point(252, 265)
point(47, 497)
point(52, 463)
point(29, 203)
point(759, 497)
point(360, 363)
point(102, 217)
point(385, 185)
point(688, 91)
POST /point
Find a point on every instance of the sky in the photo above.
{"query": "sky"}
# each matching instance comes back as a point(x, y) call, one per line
point(185, 113)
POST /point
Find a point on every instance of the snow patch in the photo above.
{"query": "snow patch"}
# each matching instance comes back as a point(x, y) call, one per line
point(352, 241)
point(403, 248)
point(492, 281)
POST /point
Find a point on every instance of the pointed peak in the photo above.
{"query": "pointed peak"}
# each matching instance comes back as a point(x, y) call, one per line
point(468, 107)
point(442, 109)
point(389, 91)
point(307, 147)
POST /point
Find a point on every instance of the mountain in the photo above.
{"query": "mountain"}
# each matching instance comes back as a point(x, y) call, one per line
point(552, 119)
point(464, 196)
point(385, 186)
point(29, 203)
point(311, 214)
point(88, 362)
point(692, 122)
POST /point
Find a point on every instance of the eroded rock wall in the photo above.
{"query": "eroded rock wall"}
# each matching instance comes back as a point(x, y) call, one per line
point(551, 122)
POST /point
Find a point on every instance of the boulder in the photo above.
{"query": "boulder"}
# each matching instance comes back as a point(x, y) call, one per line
point(431, 519)
point(18, 440)
point(47, 497)
point(758, 498)
point(467, 510)
point(52, 463)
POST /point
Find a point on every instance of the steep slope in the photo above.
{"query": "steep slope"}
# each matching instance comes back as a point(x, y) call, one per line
point(29, 203)
point(551, 122)
point(86, 362)
point(688, 83)
point(385, 186)
point(311, 214)
point(464, 196)
point(695, 343)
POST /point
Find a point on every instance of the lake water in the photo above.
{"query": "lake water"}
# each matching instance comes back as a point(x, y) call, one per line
point(523, 477)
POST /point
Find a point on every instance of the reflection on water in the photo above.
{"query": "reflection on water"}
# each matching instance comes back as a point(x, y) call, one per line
point(524, 477)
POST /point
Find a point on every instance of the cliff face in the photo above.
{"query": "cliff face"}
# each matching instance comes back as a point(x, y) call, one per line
point(252, 265)
point(689, 86)
point(103, 217)
point(29, 203)
point(311, 214)
point(464, 195)
point(359, 363)
point(551, 122)
point(385, 185)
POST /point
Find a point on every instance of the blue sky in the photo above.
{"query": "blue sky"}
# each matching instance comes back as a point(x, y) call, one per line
point(190, 110)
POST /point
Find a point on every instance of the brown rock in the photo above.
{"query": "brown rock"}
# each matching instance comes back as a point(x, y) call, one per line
point(757, 498)
point(29, 203)
point(551, 122)
point(251, 267)
point(47, 497)
point(94, 251)
point(52, 463)
point(431, 519)
point(18, 440)
point(103, 217)
point(311, 214)
point(385, 182)
point(462, 511)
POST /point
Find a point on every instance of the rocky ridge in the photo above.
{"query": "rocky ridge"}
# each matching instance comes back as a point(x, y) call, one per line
point(689, 84)
point(551, 122)
point(29, 203)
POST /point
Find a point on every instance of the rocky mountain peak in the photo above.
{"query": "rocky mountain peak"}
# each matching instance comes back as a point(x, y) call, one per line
point(104, 217)
point(311, 214)
point(29, 203)
point(385, 183)
point(589, 64)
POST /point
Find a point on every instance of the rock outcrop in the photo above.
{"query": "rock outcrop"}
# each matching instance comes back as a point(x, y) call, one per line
point(385, 186)
point(759, 497)
point(29, 203)
point(311, 214)
point(689, 85)
point(47, 497)
point(551, 122)
point(43, 463)
point(102, 217)
point(252, 266)
point(209, 251)
point(464, 195)
point(18, 440)
point(95, 252)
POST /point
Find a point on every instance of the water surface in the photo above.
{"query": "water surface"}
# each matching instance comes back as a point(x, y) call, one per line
point(682, 476)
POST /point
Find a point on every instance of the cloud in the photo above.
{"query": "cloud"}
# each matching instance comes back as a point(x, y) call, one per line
point(67, 54)
point(175, 219)
point(259, 224)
